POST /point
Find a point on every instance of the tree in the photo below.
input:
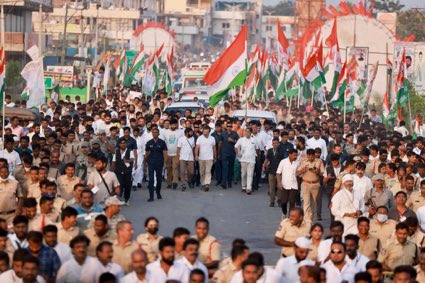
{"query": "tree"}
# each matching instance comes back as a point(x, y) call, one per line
point(283, 8)
point(13, 76)
point(390, 6)
point(411, 22)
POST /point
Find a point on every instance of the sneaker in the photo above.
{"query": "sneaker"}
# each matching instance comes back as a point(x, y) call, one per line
point(127, 203)
point(174, 186)
point(139, 185)
point(183, 188)
point(168, 186)
point(223, 186)
point(134, 188)
point(150, 200)
point(243, 190)
point(158, 196)
point(206, 189)
point(249, 192)
point(271, 204)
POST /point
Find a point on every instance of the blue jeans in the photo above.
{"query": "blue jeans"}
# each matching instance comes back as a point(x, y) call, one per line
point(155, 169)
point(228, 164)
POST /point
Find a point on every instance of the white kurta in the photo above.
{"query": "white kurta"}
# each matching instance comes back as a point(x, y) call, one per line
point(345, 201)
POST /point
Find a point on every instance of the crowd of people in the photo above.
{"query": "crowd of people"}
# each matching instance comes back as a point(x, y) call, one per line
point(63, 181)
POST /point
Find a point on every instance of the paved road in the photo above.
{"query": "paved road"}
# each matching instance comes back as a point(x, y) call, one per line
point(231, 215)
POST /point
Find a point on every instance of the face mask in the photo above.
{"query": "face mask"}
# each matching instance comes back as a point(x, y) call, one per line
point(153, 231)
point(382, 217)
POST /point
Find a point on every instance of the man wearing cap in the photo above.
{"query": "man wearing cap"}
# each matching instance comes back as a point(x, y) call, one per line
point(347, 205)
point(112, 210)
point(378, 195)
point(288, 266)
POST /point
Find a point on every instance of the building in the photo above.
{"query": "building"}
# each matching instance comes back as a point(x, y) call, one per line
point(269, 29)
point(19, 35)
point(228, 17)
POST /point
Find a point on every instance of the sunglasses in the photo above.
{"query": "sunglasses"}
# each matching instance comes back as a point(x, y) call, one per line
point(336, 252)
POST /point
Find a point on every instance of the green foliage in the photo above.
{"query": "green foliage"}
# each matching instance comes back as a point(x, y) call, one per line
point(390, 6)
point(411, 22)
point(283, 8)
point(13, 76)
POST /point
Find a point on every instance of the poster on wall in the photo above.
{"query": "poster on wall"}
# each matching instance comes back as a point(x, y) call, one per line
point(415, 63)
point(362, 57)
point(419, 69)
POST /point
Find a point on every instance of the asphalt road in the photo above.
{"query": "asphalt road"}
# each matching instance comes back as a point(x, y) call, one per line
point(231, 213)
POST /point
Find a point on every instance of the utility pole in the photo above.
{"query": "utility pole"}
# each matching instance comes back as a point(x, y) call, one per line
point(40, 33)
point(2, 25)
point(64, 34)
point(96, 26)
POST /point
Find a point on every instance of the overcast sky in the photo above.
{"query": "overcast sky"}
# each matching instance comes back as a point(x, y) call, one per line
point(407, 3)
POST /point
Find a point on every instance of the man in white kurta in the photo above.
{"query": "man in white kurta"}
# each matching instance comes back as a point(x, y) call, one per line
point(347, 205)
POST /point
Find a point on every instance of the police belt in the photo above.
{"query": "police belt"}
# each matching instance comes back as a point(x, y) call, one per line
point(7, 212)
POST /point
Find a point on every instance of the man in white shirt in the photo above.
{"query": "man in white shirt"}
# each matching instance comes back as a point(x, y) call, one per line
point(288, 266)
point(353, 257)
point(287, 180)
point(140, 274)
point(317, 141)
point(348, 205)
point(246, 151)
point(91, 272)
point(171, 138)
point(336, 232)
point(165, 268)
point(337, 268)
point(263, 275)
point(10, 154)
point(185, 154)
point(70, 271)
point(205, 154)
point(190, 261)
point(50, 235)
point(362, 183)
point(14, 275)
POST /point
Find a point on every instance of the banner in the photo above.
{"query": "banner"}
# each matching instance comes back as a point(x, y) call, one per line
point(415, 63)
point(33, 74)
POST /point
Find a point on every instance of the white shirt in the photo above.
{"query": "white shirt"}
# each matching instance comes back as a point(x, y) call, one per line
point(288, 171)
point(343, 202)
point(333, 274)
point(287, 267)
point(132, 278)
point(260, 140)
point(63, 251)
point(206, 147)
point(187, 267)
point(358, 262)
point(247, 148)
point(269, 276)
point(158, 275)
point(13, 158)
point(186, 146)
point(324, 249)
point(420, 213)
point(362, 185)
point(16, 243)
point(123, 153)
point(91, 271)
point(11, 277)
point(70, 271)
point(171, 138)
point(320, 143)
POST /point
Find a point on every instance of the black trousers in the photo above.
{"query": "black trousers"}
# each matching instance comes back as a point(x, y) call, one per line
point(257, 171)
point(285, 196)
point(125, 184)
point(155, 169)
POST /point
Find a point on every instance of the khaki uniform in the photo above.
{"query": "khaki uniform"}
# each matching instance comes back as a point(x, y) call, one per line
point(370, 247)
point(9, 192)
point(21, 176)
point(69, 152)
point(149, 246)
point(382, 231)
point(65, 236)
point(421, 274)
point(122, 255)
point(209, 249)
point(289, 232)
point(369, 169)
point(59, 204)
point(392, 184)
point(225, 274)
point(415, 201)
point(113, 223)
point(95, 240)
point(53, 216)
point(38, 223)
point(34, 190)
point(66, 186)
point(418, 238)
point(310, 185)
point(394, 254)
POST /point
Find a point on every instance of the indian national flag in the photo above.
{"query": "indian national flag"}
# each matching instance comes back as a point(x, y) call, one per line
point(121, 66)
point(282, 46)
point(389, 67)
point(229, 70)
point(138, 62)
point(387, 106)
point(417, 127)
point(170, 72)
point(338, 97)
point(2, 75)
point(335, 56)
point(402, 83)
point(152, 77)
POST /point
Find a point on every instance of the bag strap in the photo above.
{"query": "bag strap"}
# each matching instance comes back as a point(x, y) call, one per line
point(106, 185)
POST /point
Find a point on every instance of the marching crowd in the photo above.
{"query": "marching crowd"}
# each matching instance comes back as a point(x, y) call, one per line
point(63, 181)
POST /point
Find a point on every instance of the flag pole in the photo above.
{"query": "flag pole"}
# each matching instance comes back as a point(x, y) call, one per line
point(345, 106)
point(4, 82)
point(312, 94)
point(410, 116)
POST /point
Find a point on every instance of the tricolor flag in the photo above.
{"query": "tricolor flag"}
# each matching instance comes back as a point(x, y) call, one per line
point(389, 67)
point(121, 65)
point(2, 75)
point(387, 106)
point(170, 72)
point(338, 98)
point(282, 46)
point(151, 81)
point(402, 83)
point(334, 55)
point(229, 70)
point(138, 62)
point(107, 74)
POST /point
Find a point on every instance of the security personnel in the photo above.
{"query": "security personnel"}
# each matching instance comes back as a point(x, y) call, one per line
point(400, 251)
point(149, 241)
point(122, 163)
point(228, 154)
point(382, 227)
point(310, 170)
point(10, 196)
point(417, 198)
point(156, 155)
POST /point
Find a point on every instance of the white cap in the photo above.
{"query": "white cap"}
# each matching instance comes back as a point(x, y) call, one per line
point(303, 243)
point(347, 177)
point(114, 200)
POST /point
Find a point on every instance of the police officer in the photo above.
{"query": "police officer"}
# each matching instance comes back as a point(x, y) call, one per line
point(156, 155)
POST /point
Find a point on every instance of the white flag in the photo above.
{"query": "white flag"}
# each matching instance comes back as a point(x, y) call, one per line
point(106, 75)
point(33, 74)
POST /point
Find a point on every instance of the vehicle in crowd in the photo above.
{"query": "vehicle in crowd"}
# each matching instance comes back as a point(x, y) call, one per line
point(188, 95)
point(193, 74)
point(255, 115)
point(22, 114)
point(182, 107)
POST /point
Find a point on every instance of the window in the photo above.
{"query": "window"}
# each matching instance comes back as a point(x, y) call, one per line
point(225, 25)
point(269, 28)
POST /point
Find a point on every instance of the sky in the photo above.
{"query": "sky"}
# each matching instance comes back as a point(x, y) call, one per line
point(407, 3)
